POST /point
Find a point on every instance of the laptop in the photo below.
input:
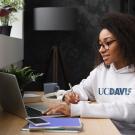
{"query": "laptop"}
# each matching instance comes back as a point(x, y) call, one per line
point(11, 99)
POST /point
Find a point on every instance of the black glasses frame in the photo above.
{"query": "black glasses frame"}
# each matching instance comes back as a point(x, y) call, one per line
point(106, 45)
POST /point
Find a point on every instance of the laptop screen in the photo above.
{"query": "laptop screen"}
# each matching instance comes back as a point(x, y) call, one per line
point(10, 95)
point(12, 101)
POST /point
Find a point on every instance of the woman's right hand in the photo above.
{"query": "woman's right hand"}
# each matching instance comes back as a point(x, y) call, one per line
point(71, 97)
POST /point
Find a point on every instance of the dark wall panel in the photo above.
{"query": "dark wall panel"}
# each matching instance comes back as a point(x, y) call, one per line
point(77, 47)
point(131, 7)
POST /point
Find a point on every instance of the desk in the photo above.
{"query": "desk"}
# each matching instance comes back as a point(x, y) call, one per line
point(11, 125)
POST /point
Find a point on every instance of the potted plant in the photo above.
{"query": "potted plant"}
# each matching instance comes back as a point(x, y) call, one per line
point(24, 75)
point(7, 17)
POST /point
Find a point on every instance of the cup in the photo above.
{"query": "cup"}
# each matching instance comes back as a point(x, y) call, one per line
point(50, 87)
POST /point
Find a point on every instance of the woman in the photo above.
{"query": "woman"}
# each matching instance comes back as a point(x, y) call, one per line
point(112, 83)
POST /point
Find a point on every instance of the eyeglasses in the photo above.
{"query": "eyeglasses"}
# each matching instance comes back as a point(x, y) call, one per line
point(106, 44)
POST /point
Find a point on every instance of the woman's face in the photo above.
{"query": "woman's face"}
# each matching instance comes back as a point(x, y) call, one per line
point(110, 50)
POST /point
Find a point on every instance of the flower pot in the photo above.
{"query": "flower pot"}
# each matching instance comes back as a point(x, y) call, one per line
point(6, 30)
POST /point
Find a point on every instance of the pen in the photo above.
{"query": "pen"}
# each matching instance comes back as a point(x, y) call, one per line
point(70, 86)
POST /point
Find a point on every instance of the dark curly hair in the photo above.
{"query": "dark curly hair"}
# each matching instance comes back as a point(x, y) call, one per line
point(122, 26)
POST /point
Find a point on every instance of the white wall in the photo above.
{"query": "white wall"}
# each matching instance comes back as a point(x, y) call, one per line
point(17, 26)
point(5, 47)
point(11, 50)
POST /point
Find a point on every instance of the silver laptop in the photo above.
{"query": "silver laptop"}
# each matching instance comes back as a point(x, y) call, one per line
point(12, 101)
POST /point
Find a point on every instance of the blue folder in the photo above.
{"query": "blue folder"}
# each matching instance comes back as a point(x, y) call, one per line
point(63, 123)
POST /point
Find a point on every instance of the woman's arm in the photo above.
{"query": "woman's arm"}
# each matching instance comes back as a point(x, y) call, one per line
point(122, 111)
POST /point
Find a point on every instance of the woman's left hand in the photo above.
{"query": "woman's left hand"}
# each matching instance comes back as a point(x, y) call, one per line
point(62, 108)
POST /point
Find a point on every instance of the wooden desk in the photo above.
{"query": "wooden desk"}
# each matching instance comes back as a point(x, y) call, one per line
point(12, 125)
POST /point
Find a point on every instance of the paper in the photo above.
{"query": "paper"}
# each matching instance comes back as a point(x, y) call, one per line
point(31, 98)
point(31, 95)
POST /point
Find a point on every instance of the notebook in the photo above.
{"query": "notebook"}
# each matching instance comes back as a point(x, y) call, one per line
point(11, 98)
point(56, 124)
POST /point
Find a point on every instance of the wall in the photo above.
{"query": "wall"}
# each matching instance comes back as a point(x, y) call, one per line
point(17, 25)
point(1, 108)
point(77, 47)
point(17, 51)
point(11, 50)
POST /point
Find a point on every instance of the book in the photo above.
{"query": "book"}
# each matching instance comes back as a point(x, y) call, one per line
point(31, 98)
point(59, 124)
point(26, 128)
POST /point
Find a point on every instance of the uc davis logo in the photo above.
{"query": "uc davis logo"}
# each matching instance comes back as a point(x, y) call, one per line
point(114, 91)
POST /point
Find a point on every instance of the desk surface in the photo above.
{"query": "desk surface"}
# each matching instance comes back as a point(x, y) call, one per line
point(12, 125)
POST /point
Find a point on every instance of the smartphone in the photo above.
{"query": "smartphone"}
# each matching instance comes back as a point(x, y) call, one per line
point(37, 121)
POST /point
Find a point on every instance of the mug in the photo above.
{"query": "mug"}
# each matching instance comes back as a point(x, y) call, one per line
point(50, 87)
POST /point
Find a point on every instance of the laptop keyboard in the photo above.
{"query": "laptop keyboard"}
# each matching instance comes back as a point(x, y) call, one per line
point(31, 112)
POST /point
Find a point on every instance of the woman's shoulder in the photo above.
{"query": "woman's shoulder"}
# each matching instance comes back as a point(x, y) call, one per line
point(99, 69)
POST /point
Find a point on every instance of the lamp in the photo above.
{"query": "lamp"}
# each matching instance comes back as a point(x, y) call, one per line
point(11, 51)
point(55, 19)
